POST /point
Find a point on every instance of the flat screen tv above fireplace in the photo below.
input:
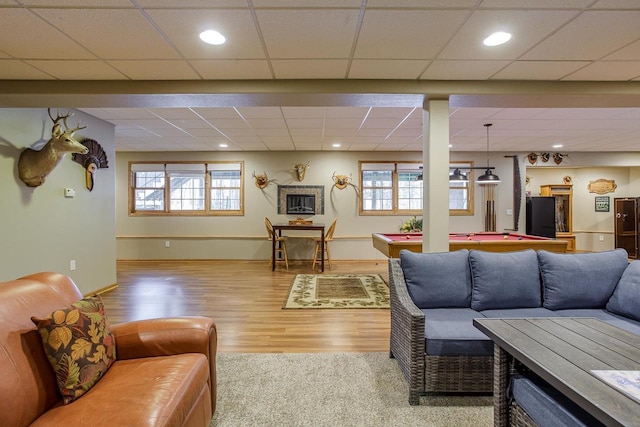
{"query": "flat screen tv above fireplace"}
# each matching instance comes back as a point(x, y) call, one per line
point(301, 204)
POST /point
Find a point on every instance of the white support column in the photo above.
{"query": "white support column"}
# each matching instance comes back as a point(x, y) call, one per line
point(435, 159)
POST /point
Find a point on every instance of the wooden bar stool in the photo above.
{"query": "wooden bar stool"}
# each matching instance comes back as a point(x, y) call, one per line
point(281, 247)
point(328, 237)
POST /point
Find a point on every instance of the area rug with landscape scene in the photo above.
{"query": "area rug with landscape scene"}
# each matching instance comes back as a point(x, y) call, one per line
point(338, 291)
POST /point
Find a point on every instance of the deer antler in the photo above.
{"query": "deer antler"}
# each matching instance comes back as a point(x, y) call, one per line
point(64, 120)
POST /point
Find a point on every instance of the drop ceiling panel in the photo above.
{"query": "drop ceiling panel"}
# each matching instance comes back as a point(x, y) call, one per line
point(347, 112)
point(155, 69)
point(307, 3)
point(206, 132)
point(536, 24)
point(105, 31)
point(386, 69)
point(190, 3)
point(48, 42)
point(598, 37)
point(182, 27)
point(13, 69)
point(462, 70)
point(421, 3)
point(536, 4)
point(260, 112)
point(540, 70)
point(319, 33)
point(75, 3)
point(608, 71)
point(629, 52)
point(411, 34)
point(77, 70)
point(310, 68)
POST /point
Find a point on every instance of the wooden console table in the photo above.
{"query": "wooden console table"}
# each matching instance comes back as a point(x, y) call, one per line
point(563, 351)
point(277, 229)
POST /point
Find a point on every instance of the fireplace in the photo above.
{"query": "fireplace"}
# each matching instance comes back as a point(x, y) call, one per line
point(301, 204)
point(300, 200)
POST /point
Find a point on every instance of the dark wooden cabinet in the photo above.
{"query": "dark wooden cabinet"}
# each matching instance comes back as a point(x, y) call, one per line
point(627, 224)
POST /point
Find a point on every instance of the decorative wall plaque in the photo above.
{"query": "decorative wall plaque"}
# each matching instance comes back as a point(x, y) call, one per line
point(602, 186)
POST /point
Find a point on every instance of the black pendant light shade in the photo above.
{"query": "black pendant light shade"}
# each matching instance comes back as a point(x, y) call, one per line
point(488, 177)
point(458, 176)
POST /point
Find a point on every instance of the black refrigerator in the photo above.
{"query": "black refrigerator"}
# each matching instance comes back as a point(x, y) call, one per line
point(541, 216)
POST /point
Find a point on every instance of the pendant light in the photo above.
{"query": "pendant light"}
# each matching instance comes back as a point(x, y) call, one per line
point(458, 176)
point(488, 178)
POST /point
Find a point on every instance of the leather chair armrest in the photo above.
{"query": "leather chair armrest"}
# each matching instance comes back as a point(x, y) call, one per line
point(168, 336)
point(165, 336)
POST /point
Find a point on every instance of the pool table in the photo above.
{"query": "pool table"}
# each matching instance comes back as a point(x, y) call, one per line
point(390, 244)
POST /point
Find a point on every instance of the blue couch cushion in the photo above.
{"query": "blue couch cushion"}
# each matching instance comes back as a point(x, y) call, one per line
point(511, 313)
point(450, 332)
point(580, 280)
point(504, 280)
point(437, 280)
point(625, 300)
point(547, 406)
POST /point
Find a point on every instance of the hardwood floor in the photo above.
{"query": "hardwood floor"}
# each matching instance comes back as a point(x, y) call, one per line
point(245, 299)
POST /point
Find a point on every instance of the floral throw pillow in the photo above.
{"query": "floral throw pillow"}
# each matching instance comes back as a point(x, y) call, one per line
point(78, 344)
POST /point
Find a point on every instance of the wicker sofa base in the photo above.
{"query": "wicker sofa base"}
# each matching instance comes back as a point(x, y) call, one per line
point(518, 417)
point(458, 374)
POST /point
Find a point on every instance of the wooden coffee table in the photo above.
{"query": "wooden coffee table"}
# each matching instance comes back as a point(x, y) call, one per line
point(563, 351)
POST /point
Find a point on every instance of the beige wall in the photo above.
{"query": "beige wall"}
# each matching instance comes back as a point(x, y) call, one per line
point(590, 226)
point(244, 237)
point(41, 229)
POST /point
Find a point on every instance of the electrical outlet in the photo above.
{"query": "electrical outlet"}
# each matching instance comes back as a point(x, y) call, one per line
point(167, 244)
point(601, 238)
point(72, 264)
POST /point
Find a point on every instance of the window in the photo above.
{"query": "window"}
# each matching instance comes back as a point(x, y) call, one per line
point(226, 186)
point(186, 187)
point(461, 193)
point(393, 188)
point(214, 188)
point(148, 187)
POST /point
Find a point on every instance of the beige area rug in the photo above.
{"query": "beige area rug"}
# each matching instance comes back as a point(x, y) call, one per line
point(338, 291)
point(332, 390)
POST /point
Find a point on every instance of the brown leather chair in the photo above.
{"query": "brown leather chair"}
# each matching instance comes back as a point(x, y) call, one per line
point(164, 373)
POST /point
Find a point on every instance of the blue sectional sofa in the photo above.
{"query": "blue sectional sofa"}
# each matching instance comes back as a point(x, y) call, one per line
point(436, 296)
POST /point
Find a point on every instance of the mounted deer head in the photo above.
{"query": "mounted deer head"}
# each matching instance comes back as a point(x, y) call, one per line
point(341, 181)
point(300, 169)
point(34, 166)
point(261, 180)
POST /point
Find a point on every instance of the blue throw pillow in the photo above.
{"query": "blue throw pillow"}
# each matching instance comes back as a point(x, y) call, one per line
point(625, 300)
point(437, 280)
point(580, 280)
point(504, 280)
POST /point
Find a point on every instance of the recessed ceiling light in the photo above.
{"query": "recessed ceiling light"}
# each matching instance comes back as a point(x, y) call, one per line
point(223, 145)
point(336, 145)
point(212, 37)
point(557, 146)
point(497, 39)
